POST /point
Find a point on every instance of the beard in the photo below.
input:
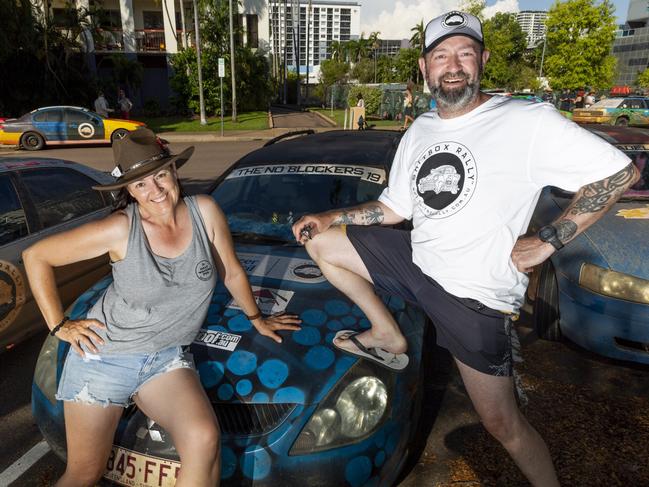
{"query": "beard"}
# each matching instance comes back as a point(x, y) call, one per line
point(454, 99)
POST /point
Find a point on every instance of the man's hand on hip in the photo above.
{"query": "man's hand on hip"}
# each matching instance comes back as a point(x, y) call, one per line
point(529, 252)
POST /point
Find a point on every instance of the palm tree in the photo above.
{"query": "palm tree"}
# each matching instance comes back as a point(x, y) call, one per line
point(417, 39)
point(336, 49)
point(375, 43)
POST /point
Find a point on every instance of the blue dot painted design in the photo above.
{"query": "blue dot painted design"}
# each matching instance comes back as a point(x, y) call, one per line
point(379, 458)
point(256, 463)
point(356, 311)
point(335, 325)
point(314, 317)
point(358, 471)
point(289, 394)
point(379, 438)
point(225, 392)
point(392, 441)
point(217, 328)
point(329, 337)
point(242, 363)
point(239, 323)
point(349, 321)
point(244, 387)
point(336, 307)
point(210, 373)
point(231, 312)
point(307, 336)
point(319, 357)
point(365, 323)
point(260, 398)
point(229, 462)
point(272, 373)
point(344, 363)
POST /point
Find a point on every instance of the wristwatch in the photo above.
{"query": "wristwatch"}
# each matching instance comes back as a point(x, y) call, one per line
point(548, 234)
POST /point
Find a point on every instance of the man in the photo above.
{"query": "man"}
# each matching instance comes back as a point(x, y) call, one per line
point(124, 104)
point(469, 176)
point(101, 105)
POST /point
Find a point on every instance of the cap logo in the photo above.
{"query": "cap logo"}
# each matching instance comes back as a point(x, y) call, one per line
point(454, 20)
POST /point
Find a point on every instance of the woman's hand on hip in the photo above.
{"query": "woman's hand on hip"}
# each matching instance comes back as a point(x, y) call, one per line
point(283, 321)
point(79, 332)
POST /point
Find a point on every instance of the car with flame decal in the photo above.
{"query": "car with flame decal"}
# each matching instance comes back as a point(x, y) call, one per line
point(63, 125)
point(595, 291)
point(300, 412)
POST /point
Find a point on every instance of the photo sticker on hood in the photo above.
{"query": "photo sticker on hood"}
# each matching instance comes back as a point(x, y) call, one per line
point(270, 301)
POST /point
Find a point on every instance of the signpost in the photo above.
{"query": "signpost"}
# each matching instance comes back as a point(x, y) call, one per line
point(221, 76)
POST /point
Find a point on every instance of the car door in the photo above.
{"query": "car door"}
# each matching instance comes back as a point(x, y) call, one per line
point(54, 199)
point(83, 126)
point(50, 123)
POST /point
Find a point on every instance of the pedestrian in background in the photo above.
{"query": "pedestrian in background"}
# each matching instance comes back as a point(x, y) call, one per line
point(101, 105)
point(565, 101)
point(124, 104)
point(408, 115)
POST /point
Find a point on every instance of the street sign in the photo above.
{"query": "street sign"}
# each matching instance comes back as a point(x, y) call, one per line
point(221, 67)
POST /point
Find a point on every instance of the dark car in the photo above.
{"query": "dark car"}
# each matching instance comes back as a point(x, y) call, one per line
point(595, 291)
point(296, 413)
point(60, 125)
point(39, 197)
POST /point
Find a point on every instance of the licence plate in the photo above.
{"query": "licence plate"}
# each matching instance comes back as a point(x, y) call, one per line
point(129, 468)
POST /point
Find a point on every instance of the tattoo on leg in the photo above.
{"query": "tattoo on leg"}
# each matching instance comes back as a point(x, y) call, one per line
point(566, 229)
point(596, 196)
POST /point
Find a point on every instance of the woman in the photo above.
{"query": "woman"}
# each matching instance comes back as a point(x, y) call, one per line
point(166, 253)
point(407, 107)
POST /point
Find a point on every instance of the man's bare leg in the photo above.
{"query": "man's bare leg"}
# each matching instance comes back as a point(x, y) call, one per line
point(493, 399)
point(343, 267)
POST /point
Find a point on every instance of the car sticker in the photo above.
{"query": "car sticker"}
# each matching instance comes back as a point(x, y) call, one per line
point(12, 293)
point(634, 213)
point(127, 467)
point(217, 339)
point(371, 174)
point(86, 130)
point(270, 301)
point(284, 268)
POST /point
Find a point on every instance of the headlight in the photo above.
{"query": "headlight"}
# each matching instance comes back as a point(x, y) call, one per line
point(353, 410)
point(614, 284)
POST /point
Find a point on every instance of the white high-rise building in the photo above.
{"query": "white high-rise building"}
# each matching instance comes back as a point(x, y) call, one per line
point(533, 24)
point(320, 23)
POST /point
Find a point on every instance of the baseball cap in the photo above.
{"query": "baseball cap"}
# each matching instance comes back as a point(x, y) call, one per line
point(452, 24)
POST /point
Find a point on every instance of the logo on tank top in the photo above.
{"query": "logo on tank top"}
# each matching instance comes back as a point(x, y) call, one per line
point(443, 179)
point(204, 270)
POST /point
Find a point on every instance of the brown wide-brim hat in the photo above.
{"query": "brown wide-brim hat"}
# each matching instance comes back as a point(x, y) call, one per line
point(138, 155)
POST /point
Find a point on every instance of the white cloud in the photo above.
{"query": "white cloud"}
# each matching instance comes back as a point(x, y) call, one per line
point(395, 23)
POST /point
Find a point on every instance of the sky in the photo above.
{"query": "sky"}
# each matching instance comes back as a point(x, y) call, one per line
point(394, 19)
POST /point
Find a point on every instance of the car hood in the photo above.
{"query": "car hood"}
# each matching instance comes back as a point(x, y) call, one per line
point(237, 364)
point(620, 236)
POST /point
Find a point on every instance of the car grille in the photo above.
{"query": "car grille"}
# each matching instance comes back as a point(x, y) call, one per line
point(250, 419)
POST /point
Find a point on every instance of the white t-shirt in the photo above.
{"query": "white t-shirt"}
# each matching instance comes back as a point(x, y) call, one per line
point(470, 185)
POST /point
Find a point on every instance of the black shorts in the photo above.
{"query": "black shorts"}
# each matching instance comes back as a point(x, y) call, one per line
point(476, 335)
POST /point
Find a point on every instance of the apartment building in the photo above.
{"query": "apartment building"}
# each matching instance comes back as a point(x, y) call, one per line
point(631, 46)
point(301, 32)
point(391, 47)
point(533, 24)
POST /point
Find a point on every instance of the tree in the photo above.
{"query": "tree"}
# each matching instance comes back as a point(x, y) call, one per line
point(643, 79)
point(474, 7)
point(333, 71)
point(337, 50)
point(507, 43)
point(363, 71)
point(580, 34)
point(406, 64)
point(418, 36)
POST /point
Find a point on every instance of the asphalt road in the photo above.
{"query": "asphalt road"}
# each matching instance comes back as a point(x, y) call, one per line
point(592, 411)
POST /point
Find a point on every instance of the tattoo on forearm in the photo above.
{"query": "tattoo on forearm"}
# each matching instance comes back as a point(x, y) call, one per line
point(596, 196)
point(370, 215)
point(566, 229)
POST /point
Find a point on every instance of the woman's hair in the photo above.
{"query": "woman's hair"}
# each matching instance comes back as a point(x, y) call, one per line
point(359, 95)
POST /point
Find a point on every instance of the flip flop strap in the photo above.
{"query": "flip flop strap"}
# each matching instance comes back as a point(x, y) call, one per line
point(364, 349)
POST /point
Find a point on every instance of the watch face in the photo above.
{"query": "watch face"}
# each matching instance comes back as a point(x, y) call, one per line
point(547, 233)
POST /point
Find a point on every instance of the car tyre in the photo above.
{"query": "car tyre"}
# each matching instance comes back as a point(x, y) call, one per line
point(118, 134)
point(32, 141)
point(622, 122)
point(546, 304)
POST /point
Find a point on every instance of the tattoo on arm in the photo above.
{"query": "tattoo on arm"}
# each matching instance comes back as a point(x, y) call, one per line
point(596, 196)
point(566, 229)
point(369, 215)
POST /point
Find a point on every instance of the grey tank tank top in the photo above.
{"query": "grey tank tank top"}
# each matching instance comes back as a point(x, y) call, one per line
point(155, 302)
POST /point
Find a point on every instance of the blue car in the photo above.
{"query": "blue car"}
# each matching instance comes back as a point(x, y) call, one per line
point(595, 291)
point(300, 412)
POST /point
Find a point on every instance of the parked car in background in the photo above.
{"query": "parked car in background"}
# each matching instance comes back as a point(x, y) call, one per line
point(628, 110)
point(61, 125)
point(595, 291)
point(39, 197)
point(296, 413)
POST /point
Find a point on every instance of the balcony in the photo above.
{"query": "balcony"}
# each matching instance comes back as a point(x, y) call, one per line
point(146, 40)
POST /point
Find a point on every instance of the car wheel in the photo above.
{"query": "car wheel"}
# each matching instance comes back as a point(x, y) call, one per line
point(118, 134)
point(32, 141)
point(546, 304)
point(622, 121)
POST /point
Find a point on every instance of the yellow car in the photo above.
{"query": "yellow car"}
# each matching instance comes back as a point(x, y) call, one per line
point(628, 110)
point(62, 125)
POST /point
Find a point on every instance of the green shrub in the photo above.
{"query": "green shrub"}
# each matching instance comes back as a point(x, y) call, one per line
point(372, 97)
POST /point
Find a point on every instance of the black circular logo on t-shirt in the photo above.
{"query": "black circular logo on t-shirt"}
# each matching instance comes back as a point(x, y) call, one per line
point(204, 270)
point(444, 179)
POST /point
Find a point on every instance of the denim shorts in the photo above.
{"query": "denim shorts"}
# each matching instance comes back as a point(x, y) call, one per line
point(115, 379)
